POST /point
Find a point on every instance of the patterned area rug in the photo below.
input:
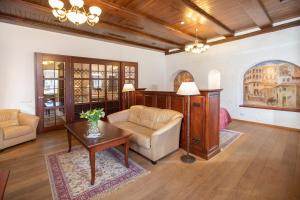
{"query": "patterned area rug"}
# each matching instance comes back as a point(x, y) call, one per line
point(69, 173)
point(227, 137)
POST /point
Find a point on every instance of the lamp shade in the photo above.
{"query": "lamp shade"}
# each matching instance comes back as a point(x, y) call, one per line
point(188, 88)
point(128, 87)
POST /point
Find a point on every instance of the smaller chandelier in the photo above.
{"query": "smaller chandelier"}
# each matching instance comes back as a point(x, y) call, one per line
point(196, 47)
point(76, 13)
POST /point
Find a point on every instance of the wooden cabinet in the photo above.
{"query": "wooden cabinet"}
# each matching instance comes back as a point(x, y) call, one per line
point(204, 117)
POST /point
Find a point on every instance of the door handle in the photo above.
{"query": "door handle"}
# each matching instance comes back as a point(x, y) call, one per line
point(40, 97)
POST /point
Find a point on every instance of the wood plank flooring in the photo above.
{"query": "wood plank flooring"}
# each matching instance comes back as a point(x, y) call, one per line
point(264, 163)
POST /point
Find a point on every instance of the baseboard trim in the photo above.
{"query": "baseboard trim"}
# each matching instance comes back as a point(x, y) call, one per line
point(269, 125)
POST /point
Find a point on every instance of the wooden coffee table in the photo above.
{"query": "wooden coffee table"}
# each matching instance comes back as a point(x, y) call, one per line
point(113, 137)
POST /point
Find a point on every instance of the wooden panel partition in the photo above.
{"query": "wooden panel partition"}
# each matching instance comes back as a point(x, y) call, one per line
point(204, 117)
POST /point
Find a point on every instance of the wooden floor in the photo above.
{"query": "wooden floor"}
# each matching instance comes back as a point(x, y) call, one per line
point(264, 163)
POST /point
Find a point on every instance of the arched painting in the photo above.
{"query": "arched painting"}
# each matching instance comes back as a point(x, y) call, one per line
point(274, 84)
point(183, 76)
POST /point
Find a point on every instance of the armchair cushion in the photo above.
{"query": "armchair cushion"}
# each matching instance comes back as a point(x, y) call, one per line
point(16, 131)
point(140, 135)
point(7, 123)
point(10, 115)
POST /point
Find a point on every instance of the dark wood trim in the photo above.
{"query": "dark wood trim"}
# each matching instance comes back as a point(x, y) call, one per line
point(199, 10)
point(271, 108)
point(265, 30)
point(257, 12)
point(269, 125)
point(124, 28)
point(62, 29)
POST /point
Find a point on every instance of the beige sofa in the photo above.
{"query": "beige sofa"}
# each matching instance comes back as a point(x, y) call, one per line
point(16, 127)
point(155, 131)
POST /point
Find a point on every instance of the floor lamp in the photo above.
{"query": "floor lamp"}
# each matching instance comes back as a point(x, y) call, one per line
point(128, 87)
point(188, 89)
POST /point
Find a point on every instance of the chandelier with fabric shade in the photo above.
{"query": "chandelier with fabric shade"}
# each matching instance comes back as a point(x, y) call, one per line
point(197, 46)
point(76, 14)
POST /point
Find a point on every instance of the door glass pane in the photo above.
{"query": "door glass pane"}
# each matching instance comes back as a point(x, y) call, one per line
point(53, 92)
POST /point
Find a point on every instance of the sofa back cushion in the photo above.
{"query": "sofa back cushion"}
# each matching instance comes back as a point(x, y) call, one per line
point(135, 113)
point(9, 117)
point(166, 116)
point(151, 117)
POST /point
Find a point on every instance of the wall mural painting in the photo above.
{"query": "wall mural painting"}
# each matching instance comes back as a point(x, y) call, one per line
point(272, 84)
point(183, 76)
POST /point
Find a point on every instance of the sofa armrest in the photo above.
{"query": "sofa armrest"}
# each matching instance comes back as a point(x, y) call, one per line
point(30, 120)
point(121, 116)
point(166, 139)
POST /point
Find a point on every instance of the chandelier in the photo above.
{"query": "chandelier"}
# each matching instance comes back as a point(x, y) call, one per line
point(196, 47)
point(76, 13)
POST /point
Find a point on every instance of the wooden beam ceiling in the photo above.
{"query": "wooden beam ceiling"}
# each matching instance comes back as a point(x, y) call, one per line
point(267, 29)
point(257, 12)
point(123, 28)
point(62, 29)
point(196, 8)
point(125, 12)
point(135, 22)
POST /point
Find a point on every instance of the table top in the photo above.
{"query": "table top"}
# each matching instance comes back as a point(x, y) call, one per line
point(111, 133)
point(3, 180)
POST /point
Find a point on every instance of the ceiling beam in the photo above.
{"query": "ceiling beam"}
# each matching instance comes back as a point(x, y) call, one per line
point(124, 12)
point(62, 29)
point(127, 29)
point(199, 10)
point(267, 29)
point(257, 12)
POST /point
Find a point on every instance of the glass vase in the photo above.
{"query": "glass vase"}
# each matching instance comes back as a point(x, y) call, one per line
point(93, 128)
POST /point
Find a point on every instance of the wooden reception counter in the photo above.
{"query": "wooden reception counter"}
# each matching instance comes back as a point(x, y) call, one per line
point(205, 110)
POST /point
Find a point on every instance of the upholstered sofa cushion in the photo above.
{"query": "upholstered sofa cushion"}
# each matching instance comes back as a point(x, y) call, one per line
point(9, 117)
point(16, 131)
point(165, 116)
point(7, 123)
point(135, 114)
point(140, 135)
point(153, 118)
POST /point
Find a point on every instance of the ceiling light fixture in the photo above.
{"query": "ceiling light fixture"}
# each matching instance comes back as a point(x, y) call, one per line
point(196, 47)
point(76, 13)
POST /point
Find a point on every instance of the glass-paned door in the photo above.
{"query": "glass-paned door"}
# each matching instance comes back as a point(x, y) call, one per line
point(113, 87)
point(51, 89)
point(129, 75)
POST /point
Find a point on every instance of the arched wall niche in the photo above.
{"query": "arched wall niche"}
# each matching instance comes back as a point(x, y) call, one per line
point(273, 84)
point(182, 76)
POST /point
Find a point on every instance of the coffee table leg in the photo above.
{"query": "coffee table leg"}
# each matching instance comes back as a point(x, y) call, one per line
point(69, 141)
point(126, 149)
point(92, 163)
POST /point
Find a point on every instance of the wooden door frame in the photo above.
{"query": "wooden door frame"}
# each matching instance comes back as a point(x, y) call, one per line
point(39, 109)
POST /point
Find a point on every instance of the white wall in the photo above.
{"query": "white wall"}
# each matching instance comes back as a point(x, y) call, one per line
point(232, 60)
point(17, 47)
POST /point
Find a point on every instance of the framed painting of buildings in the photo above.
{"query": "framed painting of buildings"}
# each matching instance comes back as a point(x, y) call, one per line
point(273, 84)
